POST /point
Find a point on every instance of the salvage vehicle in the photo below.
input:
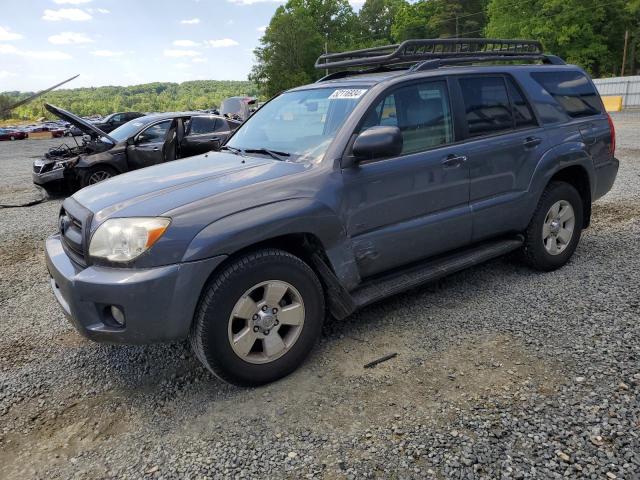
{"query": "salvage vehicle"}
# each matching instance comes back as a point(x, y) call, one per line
point(237, 108)
point(115, 120)
point(433, 156)
point(142, 142)
point(10, 134)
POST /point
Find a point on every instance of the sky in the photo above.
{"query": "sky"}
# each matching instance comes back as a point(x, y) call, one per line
point(118, 42)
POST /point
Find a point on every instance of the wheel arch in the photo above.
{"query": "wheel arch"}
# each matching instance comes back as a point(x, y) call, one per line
point(570, 163)
point(578, 177)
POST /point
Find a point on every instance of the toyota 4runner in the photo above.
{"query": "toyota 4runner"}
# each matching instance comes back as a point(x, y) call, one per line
point(412, 162)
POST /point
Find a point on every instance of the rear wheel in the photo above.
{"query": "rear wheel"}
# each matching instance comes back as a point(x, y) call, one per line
point(258, 319)
point(555, 229)
point(96, 174)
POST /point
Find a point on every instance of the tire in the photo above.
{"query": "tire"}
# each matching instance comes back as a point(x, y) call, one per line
point(547, 244)
point(91, 175)
point(227, 299)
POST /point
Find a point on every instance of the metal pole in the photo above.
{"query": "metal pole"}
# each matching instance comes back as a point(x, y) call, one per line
point(624, 52)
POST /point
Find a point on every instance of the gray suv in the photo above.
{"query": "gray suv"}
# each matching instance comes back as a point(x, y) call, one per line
point(418, 160)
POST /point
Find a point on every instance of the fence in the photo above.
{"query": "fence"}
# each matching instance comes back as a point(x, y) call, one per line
point(626, 87)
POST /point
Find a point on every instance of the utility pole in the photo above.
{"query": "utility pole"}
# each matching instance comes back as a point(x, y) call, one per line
point(624, 52)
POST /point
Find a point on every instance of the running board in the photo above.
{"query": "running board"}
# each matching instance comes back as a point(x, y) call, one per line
point(391, 284)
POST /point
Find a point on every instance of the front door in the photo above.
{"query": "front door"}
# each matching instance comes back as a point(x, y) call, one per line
point(147, 148)
point(402, 209)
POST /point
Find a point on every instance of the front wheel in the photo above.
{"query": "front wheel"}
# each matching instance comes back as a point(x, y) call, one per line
point(555, 229)
point(259, 318)
point(96, 174)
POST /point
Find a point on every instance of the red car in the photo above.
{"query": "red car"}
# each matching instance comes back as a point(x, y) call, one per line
point(6, 134)
point(57, 133)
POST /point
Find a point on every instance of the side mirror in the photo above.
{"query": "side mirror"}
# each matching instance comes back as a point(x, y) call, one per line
point(378, 142)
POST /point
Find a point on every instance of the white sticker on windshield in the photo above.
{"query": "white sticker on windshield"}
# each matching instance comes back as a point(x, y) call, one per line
point(347, 94)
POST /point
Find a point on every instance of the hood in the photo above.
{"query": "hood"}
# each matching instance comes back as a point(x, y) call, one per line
point(84, 126)
point(156, 190)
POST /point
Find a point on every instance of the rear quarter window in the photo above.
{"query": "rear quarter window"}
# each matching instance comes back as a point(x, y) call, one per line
point(573, 92)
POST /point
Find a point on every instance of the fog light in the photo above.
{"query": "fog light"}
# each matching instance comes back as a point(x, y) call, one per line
point(118, 315)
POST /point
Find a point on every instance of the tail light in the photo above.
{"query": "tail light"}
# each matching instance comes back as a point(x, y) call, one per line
point(612, 131)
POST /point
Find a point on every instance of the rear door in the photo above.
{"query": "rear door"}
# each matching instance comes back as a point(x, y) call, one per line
point(147, 147)
point(402, 209)
point(503, 143)
point(202, 135)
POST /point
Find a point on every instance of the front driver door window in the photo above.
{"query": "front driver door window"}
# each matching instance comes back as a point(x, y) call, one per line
point(415, 205)
point(147, 147)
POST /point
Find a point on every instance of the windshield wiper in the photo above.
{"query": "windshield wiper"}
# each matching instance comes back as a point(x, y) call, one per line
point(235, 151)
point(272, 153)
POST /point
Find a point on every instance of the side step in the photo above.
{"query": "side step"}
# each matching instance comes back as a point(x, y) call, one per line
point(391, 284)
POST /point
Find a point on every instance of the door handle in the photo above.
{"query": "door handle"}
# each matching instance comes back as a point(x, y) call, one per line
point(531, 142)
point(454, 161)
point(155, 149)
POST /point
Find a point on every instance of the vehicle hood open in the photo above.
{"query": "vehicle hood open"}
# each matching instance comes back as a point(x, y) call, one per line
point(84, 126)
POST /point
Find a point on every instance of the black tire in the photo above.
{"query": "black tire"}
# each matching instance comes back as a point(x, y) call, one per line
point(210, 330)
point(534, 252)
point(87, 177)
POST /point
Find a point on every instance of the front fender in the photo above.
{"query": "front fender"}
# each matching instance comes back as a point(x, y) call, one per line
point(248, 227)
point(116, 159)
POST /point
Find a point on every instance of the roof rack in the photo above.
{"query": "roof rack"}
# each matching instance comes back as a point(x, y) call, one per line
point(444, 50)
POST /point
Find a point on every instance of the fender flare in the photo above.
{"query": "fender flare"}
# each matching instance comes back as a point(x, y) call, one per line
point(240, 230)
point(554, 160)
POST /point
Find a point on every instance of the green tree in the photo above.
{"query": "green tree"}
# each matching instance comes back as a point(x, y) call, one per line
point(589, 33)
point(298, 33)
point(376, 20)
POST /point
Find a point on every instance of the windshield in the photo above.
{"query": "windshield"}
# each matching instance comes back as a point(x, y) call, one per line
point(300, 124)
point(127, 130)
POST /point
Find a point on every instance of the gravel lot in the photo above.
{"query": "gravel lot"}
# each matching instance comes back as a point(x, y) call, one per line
point(501, 372)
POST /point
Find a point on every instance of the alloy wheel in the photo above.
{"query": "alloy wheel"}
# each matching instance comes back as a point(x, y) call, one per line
point(266, 321)
point(558, 227)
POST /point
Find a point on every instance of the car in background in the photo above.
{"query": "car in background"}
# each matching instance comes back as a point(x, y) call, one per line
point(237, 108)
point(142, 142)
point(115, 120)
point(10, 134)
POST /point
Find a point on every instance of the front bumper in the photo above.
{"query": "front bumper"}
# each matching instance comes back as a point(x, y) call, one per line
point(56, 175)
point(158, 303)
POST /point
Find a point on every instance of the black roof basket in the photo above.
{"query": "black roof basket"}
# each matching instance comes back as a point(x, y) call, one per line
point(444, 50)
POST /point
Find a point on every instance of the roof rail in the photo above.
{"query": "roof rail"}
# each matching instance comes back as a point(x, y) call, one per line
point(447, 50)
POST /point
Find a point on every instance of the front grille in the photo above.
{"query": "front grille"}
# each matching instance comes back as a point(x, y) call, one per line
point(74, 222)
point(42, 168)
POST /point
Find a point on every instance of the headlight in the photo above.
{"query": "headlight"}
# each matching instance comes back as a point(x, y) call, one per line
point(123, 239)
point(60, 164)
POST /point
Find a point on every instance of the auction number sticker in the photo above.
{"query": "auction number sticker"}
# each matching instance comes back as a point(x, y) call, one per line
point(347, 94)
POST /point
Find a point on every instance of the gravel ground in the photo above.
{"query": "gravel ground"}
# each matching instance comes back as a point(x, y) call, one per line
point(501, 373)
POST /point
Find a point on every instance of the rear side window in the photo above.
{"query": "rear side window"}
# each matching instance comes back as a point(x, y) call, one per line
point(523, 116)
point(201, 125)
point(421, 112)
point(573, 91)
point(487, 107)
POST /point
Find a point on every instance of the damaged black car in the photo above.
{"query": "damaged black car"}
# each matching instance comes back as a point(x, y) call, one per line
point(139, 143)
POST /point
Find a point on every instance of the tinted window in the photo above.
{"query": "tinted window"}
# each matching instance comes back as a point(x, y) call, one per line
point(487, 105)
point(572, 91)
point(521, 110)
point(200, 125)
point(155, 133)
point(117, 118)
point(420, 111)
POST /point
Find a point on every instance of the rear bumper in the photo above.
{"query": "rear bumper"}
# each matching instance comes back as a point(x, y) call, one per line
point(605, 176)
point(158, 303)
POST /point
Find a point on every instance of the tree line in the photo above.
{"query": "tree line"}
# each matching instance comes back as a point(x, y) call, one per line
point(589, 33)
point(149, 97)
